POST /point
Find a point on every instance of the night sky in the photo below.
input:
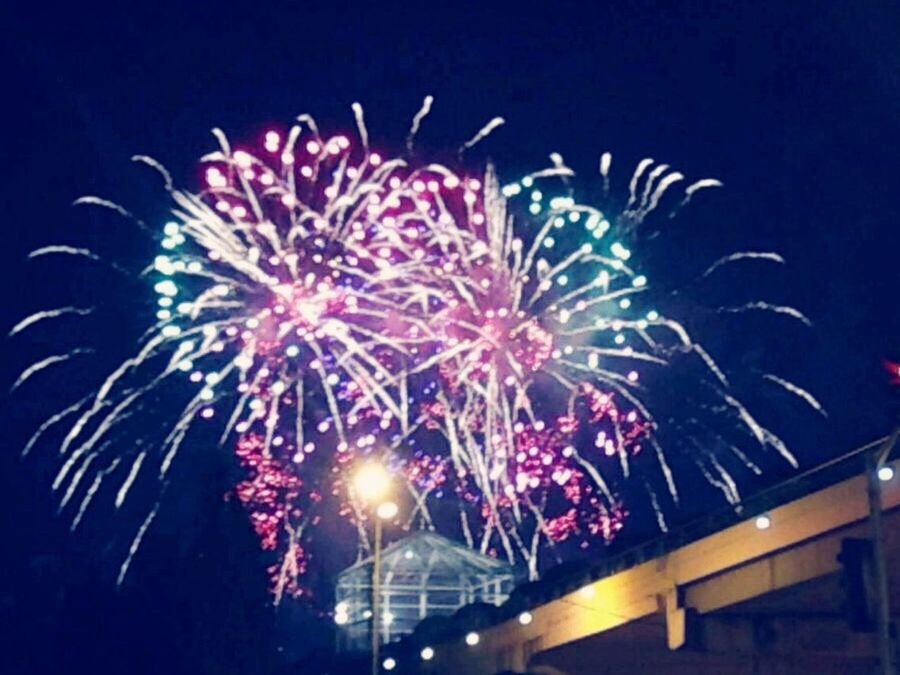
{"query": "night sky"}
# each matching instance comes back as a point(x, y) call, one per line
point(795, 106)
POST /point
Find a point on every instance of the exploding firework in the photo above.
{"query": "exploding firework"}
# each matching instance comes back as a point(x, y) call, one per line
point(281, 307)
point(893, 369)
point(327, 305)
point(542, 342)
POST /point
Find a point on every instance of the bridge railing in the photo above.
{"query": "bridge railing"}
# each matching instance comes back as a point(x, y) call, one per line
point(817, 478)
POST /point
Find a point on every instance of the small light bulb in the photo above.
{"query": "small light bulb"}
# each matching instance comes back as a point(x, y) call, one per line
point(387, 510)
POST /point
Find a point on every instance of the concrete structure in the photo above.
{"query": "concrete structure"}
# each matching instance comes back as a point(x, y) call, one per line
point(740, 600)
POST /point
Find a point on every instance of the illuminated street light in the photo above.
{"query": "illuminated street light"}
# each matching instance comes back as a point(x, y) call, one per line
point(387, 510)
point(525, 618)
point(763, 522)
point(389, 663)
point(472, 639)
point(427, 654)
point(885, 473)
point(372, 482)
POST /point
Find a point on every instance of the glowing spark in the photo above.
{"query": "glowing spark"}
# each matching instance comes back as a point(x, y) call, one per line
point(66, 250)
point(745, 255)
point(126, 486)
point(49, 422)
point(417, 121)
point(798, 391)
point(135, 545)
point(768, 307)
point(152, 163)
point(45, 363)
point(699, 185)
point(47, 314)
point(107, 204)
point(483, 133)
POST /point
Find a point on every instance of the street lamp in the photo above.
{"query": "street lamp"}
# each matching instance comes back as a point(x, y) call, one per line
point(386, 510)
point(372, 483)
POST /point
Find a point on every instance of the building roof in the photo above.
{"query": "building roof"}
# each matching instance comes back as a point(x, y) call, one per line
point(436, 552)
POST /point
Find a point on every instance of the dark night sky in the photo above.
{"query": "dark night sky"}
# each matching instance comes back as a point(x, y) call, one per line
point(795, 106)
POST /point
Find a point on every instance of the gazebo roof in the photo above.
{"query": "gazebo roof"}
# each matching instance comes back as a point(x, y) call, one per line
point(437, 552)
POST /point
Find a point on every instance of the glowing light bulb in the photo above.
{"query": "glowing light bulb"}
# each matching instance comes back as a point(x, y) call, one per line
point(387, 510)
point(372, 481)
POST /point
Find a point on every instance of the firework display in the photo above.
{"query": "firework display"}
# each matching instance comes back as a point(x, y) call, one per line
point(541, 338)
point(324, 304)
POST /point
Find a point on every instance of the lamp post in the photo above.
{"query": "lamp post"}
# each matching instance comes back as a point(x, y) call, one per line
point(372, 483)
point(875, 463)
